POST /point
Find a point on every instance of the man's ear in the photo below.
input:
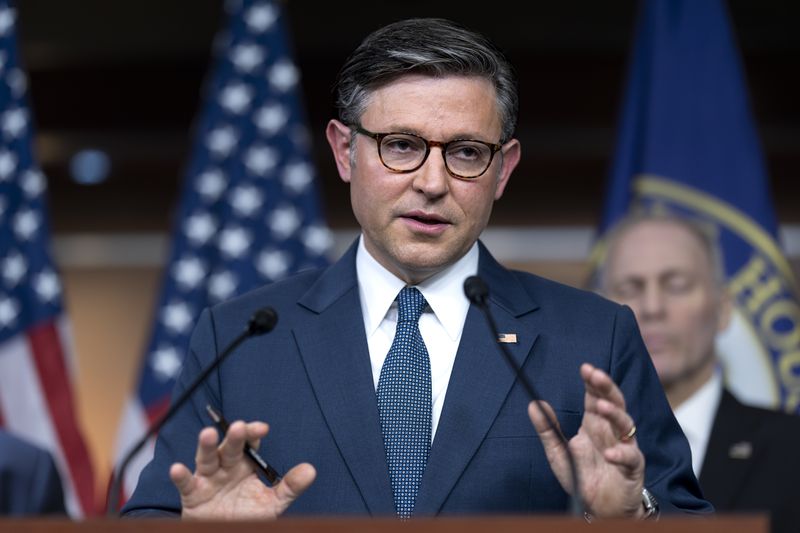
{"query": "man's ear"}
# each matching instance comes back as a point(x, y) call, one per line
point(339, 137)
point(511, 153)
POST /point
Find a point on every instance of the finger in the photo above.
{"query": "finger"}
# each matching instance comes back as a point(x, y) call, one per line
point(231, 451)
point(544, 420)
point(551, 437)
point(255, 431)
point(182, 478)
point(206, 459)
point(294, 483)
point(621, 422)
point(600, 385)
point(626, 457)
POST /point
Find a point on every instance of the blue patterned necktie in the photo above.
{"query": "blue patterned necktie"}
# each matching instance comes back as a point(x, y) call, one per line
point(404, 403)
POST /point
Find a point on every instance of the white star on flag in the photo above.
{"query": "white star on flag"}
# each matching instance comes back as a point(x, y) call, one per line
point(8, 164)
point(246, 57)
point(284, 75)
point(234, 241)
point(271, 118)
point(298, 176)
point(284, 220)
point(9, 309)
point(26, 224)
point(261, 159)
point(47, 286)
point(211, 183)
point(221, 285)
point(246, 200)
point(166, 362)
point(317, 239)
point(177, 317)
point(221, 141)
point(14, 122)
point(260, 17)
point(14, 268)
point(33, 183)
point(273, 264)
point(199, 228)
point(7, 17)
point(189, 272)
point(236, 98)
point(18, 82)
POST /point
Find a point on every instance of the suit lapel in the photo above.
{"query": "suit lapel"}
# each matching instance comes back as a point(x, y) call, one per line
point(729, 454)
point(479, 384)
point(334, 350)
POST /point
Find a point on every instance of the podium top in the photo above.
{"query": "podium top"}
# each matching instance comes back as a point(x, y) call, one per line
point(745, 523)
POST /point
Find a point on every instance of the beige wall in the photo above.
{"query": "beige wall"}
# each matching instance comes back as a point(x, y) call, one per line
point(110, 312)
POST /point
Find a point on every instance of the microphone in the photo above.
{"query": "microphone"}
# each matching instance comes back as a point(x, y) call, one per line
point(262, 321)
point(477, 292)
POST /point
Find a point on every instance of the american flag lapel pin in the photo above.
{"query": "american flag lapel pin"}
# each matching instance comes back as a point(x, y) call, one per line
point(510, 338)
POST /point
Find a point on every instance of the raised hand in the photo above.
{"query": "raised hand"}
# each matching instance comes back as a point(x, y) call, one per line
point(608, 459)
point(225, 485)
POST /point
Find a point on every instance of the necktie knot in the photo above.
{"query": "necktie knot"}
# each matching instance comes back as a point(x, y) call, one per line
point(410, 304)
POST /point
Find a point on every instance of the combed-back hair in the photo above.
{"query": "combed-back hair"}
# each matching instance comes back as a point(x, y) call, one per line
point(429, 46)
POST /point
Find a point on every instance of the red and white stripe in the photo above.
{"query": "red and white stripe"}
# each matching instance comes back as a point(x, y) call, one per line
point(37, 403)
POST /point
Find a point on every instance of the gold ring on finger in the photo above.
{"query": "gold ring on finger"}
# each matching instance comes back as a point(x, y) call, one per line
point(629, 435)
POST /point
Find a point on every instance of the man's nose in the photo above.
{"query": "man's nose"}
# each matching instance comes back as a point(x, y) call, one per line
point(651, 303)
point(432, 178)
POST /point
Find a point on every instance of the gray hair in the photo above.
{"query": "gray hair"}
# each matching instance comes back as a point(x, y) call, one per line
point(704, 234)
point(429, 46)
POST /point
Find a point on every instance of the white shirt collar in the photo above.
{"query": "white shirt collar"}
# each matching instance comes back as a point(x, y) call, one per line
point(443, 291)
point(696, 418)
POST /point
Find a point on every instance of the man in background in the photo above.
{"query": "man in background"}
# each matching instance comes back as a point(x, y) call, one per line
point(29, 480)
point(669, 271)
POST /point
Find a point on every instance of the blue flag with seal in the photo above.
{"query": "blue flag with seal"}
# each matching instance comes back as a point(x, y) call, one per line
point(688, 145)
point(249, 213)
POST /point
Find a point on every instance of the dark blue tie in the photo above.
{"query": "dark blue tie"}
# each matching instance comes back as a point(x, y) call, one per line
point(404, 403)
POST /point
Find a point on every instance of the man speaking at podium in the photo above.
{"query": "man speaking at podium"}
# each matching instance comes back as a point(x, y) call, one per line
point(381, 375)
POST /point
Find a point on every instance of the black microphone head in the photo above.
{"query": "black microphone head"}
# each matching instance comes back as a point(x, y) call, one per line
point(476, 290)
point(262, 321)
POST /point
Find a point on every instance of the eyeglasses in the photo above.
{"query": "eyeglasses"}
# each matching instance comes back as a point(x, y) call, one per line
point(406, 152)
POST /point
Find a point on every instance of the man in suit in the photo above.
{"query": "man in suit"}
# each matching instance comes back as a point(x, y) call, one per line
point(668, 270)
point(29, 480)
point(381, 375)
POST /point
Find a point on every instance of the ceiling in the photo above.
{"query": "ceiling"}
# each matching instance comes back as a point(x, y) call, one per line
point(125, 76)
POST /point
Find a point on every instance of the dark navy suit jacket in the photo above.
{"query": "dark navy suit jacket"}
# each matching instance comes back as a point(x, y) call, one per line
point(311, 380)
point(752, 463)
point(29, 481)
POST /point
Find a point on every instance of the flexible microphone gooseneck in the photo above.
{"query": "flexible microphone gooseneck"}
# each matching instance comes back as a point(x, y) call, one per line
point(262, 321)
point(477, 293)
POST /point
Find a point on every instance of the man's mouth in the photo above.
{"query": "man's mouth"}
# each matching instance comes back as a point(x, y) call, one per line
point(425, 218)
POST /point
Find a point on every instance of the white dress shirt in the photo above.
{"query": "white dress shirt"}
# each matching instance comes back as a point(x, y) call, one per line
point(696, 417)
point(441, 323)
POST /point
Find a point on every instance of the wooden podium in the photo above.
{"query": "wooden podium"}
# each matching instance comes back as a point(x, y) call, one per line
point(478, 524)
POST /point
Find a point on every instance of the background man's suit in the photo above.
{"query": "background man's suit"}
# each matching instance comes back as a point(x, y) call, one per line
point(311, 380)
point(29, 480)
point(753, 462)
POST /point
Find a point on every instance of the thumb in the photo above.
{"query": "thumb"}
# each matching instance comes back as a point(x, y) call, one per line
point(294, 483)
point(552, 440)
point(539, 411)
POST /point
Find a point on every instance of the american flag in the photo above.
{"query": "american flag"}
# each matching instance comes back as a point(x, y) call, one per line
point(37, 364)
point(249, 212)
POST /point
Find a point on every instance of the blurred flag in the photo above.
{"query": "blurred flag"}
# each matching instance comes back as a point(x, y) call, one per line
point(249, 212)
point(688, 145)
point(37, 365)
